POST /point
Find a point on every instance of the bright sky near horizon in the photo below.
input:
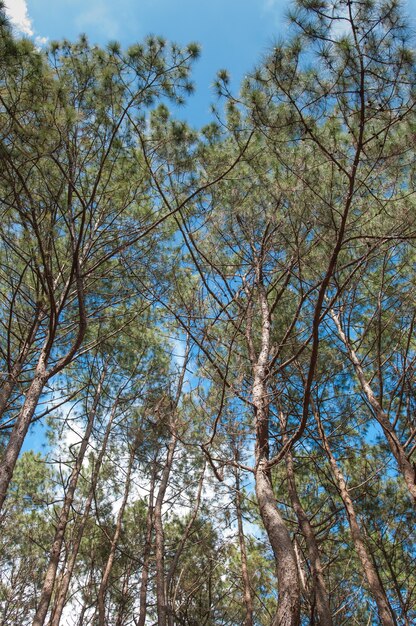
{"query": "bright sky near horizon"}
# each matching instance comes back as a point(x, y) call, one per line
point(233, 33)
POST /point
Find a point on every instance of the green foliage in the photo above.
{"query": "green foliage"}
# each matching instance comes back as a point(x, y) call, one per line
point(125, 233)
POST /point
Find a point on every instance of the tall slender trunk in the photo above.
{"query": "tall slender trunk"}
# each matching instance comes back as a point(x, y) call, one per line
point(319, 587)
point(102, 591)
point(159, 534)
point(395, 582)
point(248, 597)
point(63, 588)
point(84, 609)
point(50, 576)
point(174, 563)
point(21, 427)
point(124, 597)
point(385, 612)
point(146, 553)
point(405, 466)
point(161, 592)
point(10, 382)
point(288, 607)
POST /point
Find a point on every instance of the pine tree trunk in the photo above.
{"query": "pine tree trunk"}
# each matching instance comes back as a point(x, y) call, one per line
point(159, 535)
point(146, 554)
point(10, 383)
point(63, 588)
point(21, 427)
point(405, 466)
point(321, 594)
point(161, 589)
point(49, 581)
point(375, 585)
point(248, 598)
point(288, 608)
point(114, 542)
point(288, 605)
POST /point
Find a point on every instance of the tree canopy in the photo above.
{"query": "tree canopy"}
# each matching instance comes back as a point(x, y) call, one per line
point(216, 327)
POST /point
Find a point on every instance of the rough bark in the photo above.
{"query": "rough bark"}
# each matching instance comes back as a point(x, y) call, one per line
point(318, 581)
point(288, 608)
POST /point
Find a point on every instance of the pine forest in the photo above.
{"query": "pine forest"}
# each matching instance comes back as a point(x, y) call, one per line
point(212, 329)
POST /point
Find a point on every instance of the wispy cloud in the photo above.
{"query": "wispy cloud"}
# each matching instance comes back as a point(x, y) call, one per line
point(16, 11)
point(100, 17)
point(276, 10)
point(273, 4)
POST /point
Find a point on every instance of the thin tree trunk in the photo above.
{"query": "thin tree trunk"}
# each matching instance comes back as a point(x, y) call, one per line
point(67, 574)
point(159, 534)
point(248, 598)
point(10, 383)
point(161, 592)
point(124, 594)
point(405, 466)
point(396, 584)
point(49, 580)
point(179, 549)
point(114, 542)
point(302, 577)
point(321, 594)
point(40, 378)
point(82, 614)
point(385, 612)
point(21, 427)
point(146, 553)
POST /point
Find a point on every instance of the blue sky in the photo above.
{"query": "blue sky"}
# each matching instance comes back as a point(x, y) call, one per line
point(233, 33)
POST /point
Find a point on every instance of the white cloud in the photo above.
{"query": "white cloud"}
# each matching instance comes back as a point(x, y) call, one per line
point(41, 41)
point(16, 11)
